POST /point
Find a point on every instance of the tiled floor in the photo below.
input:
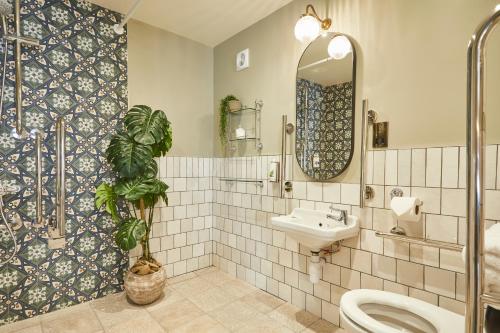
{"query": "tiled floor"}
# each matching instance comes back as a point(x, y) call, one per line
point(204, 301)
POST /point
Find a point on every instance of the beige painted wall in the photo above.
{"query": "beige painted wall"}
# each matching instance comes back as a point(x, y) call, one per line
point(174, 74)
point(411, 67)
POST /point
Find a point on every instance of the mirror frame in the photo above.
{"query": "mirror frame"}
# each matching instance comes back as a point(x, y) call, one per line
point(331, 35)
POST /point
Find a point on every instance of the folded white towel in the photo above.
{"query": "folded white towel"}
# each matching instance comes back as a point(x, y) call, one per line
point(492, 240)
point(491, 259)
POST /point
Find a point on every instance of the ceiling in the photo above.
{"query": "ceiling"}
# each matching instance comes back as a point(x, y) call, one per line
point(209, 22)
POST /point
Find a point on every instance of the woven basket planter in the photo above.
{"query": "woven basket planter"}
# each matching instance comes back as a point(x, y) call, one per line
point(234, 105)
point(145, 289)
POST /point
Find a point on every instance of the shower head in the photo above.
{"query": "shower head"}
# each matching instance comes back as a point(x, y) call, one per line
point(5, 7)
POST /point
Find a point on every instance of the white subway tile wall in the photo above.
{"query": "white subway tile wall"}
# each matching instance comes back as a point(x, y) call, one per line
point(210, 221)
point(181, 234)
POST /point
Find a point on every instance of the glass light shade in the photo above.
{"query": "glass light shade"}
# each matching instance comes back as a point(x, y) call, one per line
point(339, 47)
point(307, 28)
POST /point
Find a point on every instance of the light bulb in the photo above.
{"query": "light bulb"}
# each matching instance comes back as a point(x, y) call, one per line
point(307, 28)
point(339, 47)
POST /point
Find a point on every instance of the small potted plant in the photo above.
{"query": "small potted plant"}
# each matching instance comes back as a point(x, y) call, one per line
point(131, 198)
point(228, 104)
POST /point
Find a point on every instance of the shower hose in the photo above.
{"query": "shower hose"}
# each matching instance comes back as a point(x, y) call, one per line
point(8, 227)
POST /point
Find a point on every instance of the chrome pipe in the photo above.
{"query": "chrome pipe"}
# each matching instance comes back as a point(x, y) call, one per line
point(259, 183)
point(420, 241)
point(475, 174)
point(19, 74)
point(24, 40)
point(119, 27)
point(284, 123)
point(60, 177)
point(364, 143)
point(39, 189)
point(367, 118)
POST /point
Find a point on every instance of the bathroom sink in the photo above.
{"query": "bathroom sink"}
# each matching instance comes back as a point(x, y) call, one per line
point(317, 229)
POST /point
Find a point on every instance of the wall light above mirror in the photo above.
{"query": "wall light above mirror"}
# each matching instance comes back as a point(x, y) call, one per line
point(310, 25)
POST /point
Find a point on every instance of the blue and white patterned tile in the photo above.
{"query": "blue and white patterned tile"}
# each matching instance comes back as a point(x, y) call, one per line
point(79, 72)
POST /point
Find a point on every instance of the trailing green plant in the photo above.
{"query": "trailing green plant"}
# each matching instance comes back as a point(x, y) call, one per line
point(146, 134)
point(223, 114)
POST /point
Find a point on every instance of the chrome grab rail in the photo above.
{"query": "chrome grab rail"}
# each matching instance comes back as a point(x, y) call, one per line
point(367, 118)
point(475, 294)
point(39, 219)
point(60, 177)
point(420, 241)
point(284, 122)
point(259, 183)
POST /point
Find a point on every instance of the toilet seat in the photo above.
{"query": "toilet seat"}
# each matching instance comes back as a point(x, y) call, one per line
point(351, 304)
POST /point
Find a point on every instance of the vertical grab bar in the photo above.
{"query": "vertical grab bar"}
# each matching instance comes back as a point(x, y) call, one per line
point(475, 296)
point(39, 222)
point(283, 156)
point(60, 182)
point(367, 118)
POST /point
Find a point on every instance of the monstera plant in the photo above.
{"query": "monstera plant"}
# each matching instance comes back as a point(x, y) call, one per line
point(146, 134)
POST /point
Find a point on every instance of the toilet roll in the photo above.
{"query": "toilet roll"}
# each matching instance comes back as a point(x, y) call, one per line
point(406, 208)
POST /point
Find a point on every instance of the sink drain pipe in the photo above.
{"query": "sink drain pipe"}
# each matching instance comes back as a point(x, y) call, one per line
point(316, 262)
point(315, 267)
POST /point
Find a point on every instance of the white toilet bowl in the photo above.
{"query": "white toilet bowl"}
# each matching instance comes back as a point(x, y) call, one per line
point(375, 311)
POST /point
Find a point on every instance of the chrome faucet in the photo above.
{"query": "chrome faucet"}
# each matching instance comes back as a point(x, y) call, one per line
point(338, 215)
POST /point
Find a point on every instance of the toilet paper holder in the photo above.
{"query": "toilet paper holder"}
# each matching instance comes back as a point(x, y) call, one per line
point(397, 192)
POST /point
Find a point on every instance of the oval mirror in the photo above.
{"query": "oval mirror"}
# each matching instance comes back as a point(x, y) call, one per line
point(325, 92)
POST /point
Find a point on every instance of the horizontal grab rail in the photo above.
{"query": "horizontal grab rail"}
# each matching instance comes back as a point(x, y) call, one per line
point(256, 182)
point(420, 241)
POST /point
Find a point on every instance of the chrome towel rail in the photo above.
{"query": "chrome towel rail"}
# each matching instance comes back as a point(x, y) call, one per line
point(476, 298)
point(259, 183)
point(420, 241)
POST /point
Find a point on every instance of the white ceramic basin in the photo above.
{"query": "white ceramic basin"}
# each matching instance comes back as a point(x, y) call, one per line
point(312, 228)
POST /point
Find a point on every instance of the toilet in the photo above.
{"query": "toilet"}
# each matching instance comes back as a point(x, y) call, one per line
point(375, 311)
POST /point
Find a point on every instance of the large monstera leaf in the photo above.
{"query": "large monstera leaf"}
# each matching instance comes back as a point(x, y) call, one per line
point(148, 127)
point(128, 157)
point(151, 170)
point(129, 233)
point(162, 147)
point(134, 189)
point(105, 195)
point(158, 190)
point(148, 189)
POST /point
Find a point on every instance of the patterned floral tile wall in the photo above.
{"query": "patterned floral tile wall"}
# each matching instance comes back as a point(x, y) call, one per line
point(79, 72)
